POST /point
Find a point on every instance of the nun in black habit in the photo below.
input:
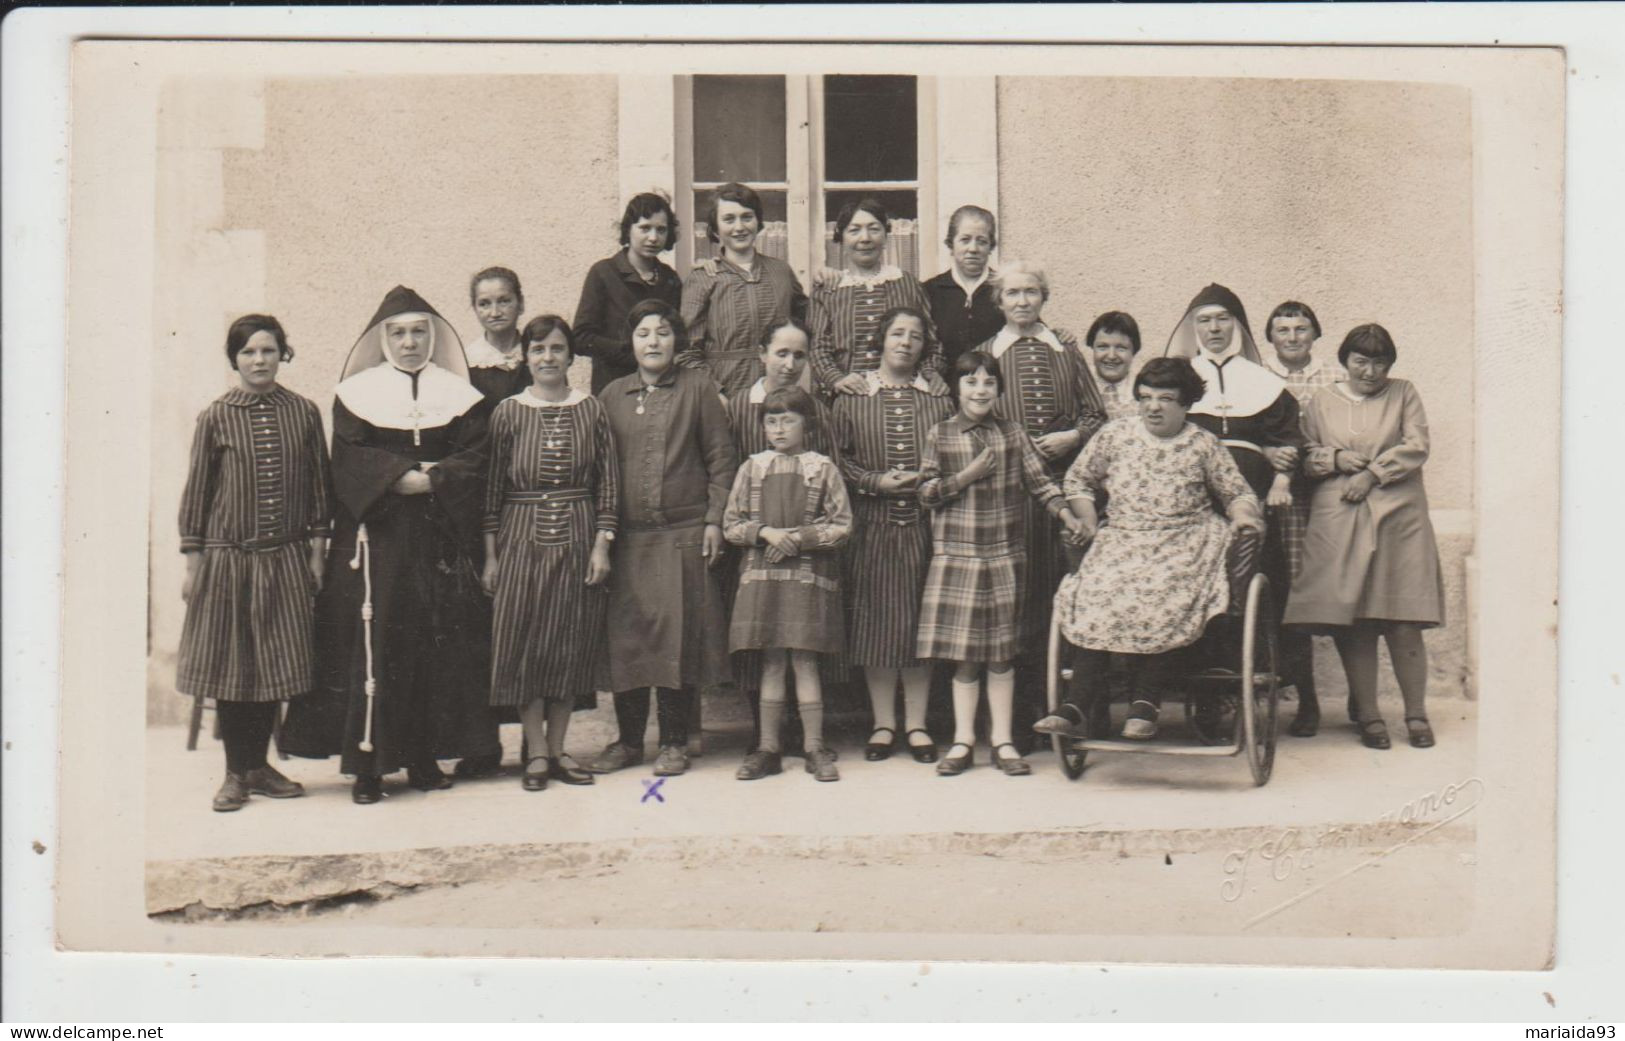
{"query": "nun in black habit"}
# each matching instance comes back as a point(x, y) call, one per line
point(410, 685)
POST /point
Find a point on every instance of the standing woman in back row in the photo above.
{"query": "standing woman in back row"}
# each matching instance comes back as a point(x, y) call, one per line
point(963, 303)
point(617, 284)
point(728, 302)
point(496, 362)
point(255, 520)
point(843, 316)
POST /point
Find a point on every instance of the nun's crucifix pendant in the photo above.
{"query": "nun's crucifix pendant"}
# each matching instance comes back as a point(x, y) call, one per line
point(416, 414)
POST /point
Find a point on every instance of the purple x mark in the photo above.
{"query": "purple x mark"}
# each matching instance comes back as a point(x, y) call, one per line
point(652, 789)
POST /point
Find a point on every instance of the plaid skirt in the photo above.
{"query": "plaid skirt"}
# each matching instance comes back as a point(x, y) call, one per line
point(1291, 524)
point(971, 608)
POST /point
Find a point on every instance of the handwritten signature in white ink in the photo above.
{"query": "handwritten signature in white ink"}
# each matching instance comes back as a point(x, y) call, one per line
point(1296, 849)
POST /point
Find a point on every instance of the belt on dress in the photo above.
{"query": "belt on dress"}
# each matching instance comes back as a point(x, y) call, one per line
point(536, 495)
point(259, 544)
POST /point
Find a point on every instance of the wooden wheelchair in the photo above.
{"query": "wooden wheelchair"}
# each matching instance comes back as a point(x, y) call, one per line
point(1231, 701)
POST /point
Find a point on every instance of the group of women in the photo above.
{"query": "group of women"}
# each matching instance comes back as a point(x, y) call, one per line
point(485, 541)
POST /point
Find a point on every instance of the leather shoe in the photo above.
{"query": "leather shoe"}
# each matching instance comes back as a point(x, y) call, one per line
point(1374, 734)
point(427, 778)
point(1013, 766)
point(232, 795)
point(672, 761)
point(367, 790)
point(926, 753)
point(821, 764)
point(615, 756)
point(268, 780)
point(953, 765)
point(879, 751)
point(535, 780)
point(759, 764)
point(564, 769)
point(1419, 731)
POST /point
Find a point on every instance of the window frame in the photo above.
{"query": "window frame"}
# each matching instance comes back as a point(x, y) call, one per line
point(805, 186)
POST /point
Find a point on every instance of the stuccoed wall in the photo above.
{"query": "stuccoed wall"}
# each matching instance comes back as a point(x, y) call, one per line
point(311, 198)
point(1354, 197)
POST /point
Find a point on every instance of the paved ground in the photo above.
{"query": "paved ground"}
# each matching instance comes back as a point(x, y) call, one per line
point(1174, 844)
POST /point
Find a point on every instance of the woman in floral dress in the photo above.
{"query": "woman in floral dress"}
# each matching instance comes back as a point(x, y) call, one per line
point(1155, 575)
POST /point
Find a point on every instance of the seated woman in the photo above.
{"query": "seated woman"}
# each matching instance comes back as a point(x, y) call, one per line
point(1370, 560)
point(1156, 573)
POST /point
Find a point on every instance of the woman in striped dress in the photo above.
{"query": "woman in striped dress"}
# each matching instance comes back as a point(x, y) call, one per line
point(1046, 391)
point(728, 302)
point(882, 438)
point(843, 315)
point(550, 516)
point(254, 521)
point(976, 475)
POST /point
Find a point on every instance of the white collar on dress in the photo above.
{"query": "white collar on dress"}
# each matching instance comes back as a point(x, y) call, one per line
point(1273, 363)
point(575, 397)
point(482, 355)
point(970, 288)
point(1007, 336)
point(1244, 389)
point(876, 384)
point(382, 396)
point(887, 273)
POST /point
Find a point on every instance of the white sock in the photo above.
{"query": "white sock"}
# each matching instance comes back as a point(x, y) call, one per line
point(1001, 699)
point(966, 695)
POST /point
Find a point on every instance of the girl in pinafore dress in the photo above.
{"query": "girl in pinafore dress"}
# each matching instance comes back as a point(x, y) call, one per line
point(789, 509)
point(974, 473)
point(550, 517)
point(255, 519)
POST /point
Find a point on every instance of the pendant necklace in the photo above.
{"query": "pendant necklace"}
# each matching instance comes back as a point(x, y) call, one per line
point(643, 395)
point(553, 424)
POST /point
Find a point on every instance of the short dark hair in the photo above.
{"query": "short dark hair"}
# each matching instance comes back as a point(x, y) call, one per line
point(244, 328)
point(733, 191)
point(1175, 374)
point(967, 364)
point(878, 338)
point(667, 313)
point(868, 204)
point(543, 326)
point(1292, 309)
point(495, 272)
point(1369, 340)
point(791, 399)
point(980, 214)
point(766, 339)
point(648, 204)
point(1120, 322)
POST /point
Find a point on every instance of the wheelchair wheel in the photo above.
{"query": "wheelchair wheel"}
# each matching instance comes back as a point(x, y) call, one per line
point(1260, 680)
point(1068, 755)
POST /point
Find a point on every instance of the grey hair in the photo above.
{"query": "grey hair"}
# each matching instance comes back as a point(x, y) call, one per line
point(1019, 267)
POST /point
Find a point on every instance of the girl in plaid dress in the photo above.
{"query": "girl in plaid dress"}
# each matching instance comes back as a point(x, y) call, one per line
point(973, 474)
point(789, 510)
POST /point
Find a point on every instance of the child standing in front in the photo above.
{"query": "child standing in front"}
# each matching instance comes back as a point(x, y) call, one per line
point(789, 509)
point(974, 472)
point(254, 522)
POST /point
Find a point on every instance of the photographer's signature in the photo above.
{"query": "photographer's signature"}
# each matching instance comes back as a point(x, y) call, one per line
point(1295, 849)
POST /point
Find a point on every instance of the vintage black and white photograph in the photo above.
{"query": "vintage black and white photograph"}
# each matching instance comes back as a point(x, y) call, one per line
point(970, 502)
